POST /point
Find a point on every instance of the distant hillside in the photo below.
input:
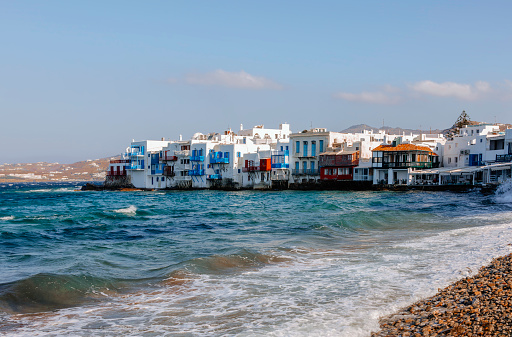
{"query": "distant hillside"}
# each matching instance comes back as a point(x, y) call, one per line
point(89, 170)
point(389, 130)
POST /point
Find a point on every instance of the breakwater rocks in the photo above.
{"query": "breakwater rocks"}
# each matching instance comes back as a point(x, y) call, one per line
point(480, 305)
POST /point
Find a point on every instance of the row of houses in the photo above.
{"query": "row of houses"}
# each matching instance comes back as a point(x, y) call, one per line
point(262, 158)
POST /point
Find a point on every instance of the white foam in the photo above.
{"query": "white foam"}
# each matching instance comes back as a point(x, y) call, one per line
point(10, 217)
point(336, 292)
point(504, 193)
point(131, 210)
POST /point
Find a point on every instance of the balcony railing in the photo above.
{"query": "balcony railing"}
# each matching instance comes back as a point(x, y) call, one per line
point(135, 167)
point(214, 176)
point(216, 160)
point(196, 172)
point(120, 161)
point(503, 157)
point(309, 172)
point(134, 154)
point(281, 153)
point(255, 169)
point(325, 162)
point(115, 173)
point(280, 166)
point(196, 158)
point(417, 164)
point(168, 158)
point(182, 153)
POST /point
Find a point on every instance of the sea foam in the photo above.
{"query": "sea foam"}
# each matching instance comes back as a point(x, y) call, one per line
point(504, 193)
point(131, 210)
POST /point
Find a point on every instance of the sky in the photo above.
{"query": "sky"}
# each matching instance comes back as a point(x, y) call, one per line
point(80, 79)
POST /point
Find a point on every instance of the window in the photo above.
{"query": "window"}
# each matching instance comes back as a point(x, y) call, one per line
point(297, 147)
point(477, 131)
point(297, 165)
point(455, 158)
point(497, 144)
point(343, 171)
point(238, 155)
point(305, 165)
point(286, 147)
point(321, 146)
point(305, 151)
point(449, 160)
point(312, 165)
point(313, 148)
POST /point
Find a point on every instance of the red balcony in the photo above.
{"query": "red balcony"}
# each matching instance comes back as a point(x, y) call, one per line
point(116, 173)
point(169, 158)
point(119, 161)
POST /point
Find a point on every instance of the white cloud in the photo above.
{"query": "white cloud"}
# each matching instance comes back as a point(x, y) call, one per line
point(228, 79)
point(370, 97)
point(452, 89)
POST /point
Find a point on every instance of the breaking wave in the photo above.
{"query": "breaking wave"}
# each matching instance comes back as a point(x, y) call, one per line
point(131, 210)
point(46, 292)
point(504, 192)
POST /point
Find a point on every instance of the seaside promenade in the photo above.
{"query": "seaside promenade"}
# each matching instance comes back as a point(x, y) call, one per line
point(479, 305)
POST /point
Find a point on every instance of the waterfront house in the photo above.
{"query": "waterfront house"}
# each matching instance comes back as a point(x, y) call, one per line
point(392, 164)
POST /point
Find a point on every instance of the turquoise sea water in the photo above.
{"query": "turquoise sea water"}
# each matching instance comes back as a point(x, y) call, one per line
point(202, 263)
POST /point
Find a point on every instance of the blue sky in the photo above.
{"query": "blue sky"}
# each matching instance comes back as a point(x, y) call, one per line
point(80, 80)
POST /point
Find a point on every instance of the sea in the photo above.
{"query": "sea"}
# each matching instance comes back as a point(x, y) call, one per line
point(241, 263)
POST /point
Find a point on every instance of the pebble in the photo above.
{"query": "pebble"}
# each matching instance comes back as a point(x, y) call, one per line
point(479, 305)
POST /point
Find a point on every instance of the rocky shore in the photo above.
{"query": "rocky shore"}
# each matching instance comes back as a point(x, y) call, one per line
point(480, 305)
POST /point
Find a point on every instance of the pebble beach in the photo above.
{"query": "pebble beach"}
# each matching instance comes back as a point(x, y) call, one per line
point(479, 305)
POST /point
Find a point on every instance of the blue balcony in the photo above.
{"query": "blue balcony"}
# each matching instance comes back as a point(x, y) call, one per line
point(135, 165)
point(196, 172)
point(133, 154)
point(214, 177)
point(196, 158)
point(280, 166)
point(219, 157)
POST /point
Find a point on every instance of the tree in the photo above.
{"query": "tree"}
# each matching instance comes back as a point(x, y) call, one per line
point(462, 120)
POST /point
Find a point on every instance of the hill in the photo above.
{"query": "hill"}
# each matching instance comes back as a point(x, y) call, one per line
point(389, 130)
point(89, 170)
